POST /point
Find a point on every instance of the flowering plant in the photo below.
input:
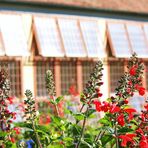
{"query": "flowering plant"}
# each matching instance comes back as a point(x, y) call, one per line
point(120, 126)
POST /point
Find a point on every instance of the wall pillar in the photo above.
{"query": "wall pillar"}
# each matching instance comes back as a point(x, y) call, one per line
point(27, 77)
point(79, 76)
point(105, 79)
point(57, 73)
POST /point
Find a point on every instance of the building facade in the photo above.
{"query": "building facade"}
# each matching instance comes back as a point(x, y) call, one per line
point(35, 37)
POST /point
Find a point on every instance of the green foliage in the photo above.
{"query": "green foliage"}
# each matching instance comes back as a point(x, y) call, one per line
point(77, 128)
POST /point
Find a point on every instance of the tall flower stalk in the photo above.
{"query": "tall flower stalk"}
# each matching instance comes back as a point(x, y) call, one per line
point(91, 92)
point(116, 109)
point(30, 113)
point(6, 116)
point(50, 86)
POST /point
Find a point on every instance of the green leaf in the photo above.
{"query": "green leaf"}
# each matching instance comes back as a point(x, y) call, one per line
point(23, 124)
point(90, 112)
point(86, 143)
point(59, 99)
point(68, 139)
point(52, 101)
point(105, 139)
point(79, 116)
point(124, 130)
point(3, 134)
point(105, 121)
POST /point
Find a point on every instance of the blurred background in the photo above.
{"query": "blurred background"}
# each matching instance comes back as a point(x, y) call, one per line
point(68, 37)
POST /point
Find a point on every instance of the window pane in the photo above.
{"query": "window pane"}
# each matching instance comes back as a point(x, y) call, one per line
point(119, 40)
point(92, 38)
point(72, 38)
point(48, 37)
point(68, 75)
point(14, 76)
point(13, 35)
point(116, 71)
point(41, 68)
point(87, 67)
point(137, 39)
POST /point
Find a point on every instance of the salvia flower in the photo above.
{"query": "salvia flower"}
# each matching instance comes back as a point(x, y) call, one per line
point(50, 83)
point(30, 111)
point(127, 138)
point(5, 115)
point(92, 89)
point(131, 81)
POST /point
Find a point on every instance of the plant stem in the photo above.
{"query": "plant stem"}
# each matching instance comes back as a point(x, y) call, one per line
point(55, 105)
point(57, 110)
point(36, 135)
point(82, 108)
point(83, 127)
point(116, 134)
point(99, 135)
point(82, 132)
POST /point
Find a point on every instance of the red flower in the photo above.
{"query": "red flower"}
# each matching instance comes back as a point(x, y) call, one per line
point(17, 130)
point(140, 131)
point(146, 107)
point(105, 106)
point(48, 120)
point(120, 119)
point(126, 101)
point(130, 83)
point(73, 91)
point(141, 91)
point(12, 139)
point(14, 115)
point(10, 100)
point(142, 117)
point(127, 138)
point(100, 94)
point(130, 112)
point(137, 86)
point(114, 109)
point(133, 71)
point(98, 105)
point(143, 142)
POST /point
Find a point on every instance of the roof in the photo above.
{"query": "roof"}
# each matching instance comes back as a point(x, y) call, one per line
point(139, 6)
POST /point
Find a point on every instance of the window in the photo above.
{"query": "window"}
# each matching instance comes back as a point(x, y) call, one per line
point(118, 40)
point(41, 68)
point(87, 68)
point(71, 37)
point(14, 75)
point(116, 71)
point(48, 37)
point(137, 40)
point(68, 75)
point(92, 38)
point(13, 35)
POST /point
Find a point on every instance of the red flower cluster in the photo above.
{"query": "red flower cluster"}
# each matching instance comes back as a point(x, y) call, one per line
point(140, 89)
point(10, 99)
point(127, 138)
point(113, 108)
point(44, 119)
point(143, 142)
point(133, 70)
point(72, 90)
